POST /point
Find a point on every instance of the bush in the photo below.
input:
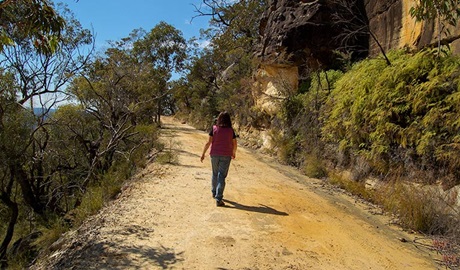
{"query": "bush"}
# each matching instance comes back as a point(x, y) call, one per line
point(402, 116)
point(418, 208)
point(357, 188)
point(168, 154)
point(91, 202)
point(313, 167)
point(298, 141)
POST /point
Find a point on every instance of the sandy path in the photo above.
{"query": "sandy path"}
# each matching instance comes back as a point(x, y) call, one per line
point(275, 218)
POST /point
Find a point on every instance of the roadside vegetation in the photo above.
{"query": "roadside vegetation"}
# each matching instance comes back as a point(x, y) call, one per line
point(74, 126)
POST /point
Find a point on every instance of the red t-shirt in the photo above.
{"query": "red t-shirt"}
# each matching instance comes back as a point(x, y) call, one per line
point(222, 141)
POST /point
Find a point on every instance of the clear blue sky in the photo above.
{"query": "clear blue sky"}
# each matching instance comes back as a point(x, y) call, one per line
point(115, 19)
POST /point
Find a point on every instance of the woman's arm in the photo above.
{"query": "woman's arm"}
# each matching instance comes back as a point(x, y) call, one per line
point(235, 145)
point(206, 146)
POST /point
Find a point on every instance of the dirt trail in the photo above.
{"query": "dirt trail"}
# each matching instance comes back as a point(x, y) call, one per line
point(275, 218)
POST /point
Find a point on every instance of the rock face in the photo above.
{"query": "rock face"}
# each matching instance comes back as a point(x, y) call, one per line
point(306, 32)
point(298, 36)
point(393, 26)
point(273, 83)
point(301, 33)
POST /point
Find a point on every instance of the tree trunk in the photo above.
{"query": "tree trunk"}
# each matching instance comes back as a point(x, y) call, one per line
point(27, 192)
point(382, 50)
point(10, 229)
point(159, 111)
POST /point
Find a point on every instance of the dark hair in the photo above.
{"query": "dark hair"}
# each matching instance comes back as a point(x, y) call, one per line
point(223, 120)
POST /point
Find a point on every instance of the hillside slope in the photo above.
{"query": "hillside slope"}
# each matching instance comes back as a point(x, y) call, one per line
point(275, 218)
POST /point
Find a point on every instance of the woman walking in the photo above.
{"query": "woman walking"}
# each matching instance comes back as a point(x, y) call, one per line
point(222, 139)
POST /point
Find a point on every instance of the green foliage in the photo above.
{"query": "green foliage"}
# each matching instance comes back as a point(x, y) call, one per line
point(356, 188)
point(313, 167)
point(444, 12)
point(219, 75)
point(168, 152)
point(33, 21)
point(299, 121)
point(160, 52)
point(408, 111)
point(447, 10)
point(91, 202)
point(148, 136)
point(70, 162)
point(50, 231)
point(51, 66)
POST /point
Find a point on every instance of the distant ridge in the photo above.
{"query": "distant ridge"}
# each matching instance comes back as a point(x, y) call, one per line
point(42, 111)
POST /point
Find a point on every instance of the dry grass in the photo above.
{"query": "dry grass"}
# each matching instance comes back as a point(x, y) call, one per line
point(313, 167)
point(420, 208)
point(424, 209)
point(357, 188)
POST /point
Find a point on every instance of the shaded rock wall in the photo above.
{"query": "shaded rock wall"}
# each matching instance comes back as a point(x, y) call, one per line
point(301, 33)
point(298, 36)
point(395, 28)
point(304, 32)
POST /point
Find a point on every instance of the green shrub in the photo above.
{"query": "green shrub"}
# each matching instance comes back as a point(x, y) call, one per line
point(404, 114)
point(148, 135)
point(91, 202)
point(357, 188)
point(51, 230)
point(298, 121)
point(288, 150)
point(313, 167)
point(167, 157)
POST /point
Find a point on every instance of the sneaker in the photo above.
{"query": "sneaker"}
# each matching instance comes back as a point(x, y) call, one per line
point(220, 203)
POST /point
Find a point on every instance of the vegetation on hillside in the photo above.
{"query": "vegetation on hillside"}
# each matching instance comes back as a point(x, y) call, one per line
point(94, 129)
point(400, 118)
point(394, 118)
point(219, 76)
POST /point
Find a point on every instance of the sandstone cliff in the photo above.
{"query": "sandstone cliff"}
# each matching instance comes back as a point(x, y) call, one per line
point(305, 32)
point(298, 36)
point(395, 28)
point(302, 33)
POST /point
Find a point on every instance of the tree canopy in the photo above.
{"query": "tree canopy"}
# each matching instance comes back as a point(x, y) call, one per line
point(30, 20)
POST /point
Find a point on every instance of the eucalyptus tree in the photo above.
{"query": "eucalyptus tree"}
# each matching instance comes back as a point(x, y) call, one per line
point(114, 104)
point(35, 20)
point(37, 74)
point(164, 51)
point(40, 53)
point(40, 73)
point(221, 74)
point(14, 135)
point(238, 19)
point(443, 12)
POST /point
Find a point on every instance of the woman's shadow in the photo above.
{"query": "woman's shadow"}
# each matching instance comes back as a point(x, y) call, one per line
point(259, 209)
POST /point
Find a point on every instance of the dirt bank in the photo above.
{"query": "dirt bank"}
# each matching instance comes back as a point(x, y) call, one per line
point(275, 218)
